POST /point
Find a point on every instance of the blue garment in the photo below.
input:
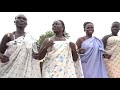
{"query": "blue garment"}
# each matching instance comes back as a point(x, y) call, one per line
point(92, 60)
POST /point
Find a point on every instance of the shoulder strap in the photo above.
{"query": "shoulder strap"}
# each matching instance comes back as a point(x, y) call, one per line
point(8, 34)
point(109, 35)
point(8, 37)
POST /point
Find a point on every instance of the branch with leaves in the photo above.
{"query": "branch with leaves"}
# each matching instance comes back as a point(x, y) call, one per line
point(47, 35)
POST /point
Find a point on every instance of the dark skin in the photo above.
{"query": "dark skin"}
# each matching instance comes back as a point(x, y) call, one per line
point(57, 28)
point(20, 22)
point(89, 29)
point(114, 32)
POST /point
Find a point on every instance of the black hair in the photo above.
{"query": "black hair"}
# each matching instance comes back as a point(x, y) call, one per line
point(84, 25)
point(116, 22)
point(63, 27)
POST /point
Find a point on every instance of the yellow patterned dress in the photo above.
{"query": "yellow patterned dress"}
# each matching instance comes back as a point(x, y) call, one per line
point(58, 62)
point(113, 64)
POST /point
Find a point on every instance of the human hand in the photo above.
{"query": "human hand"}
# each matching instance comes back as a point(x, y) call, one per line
point(72, 46)
point(35, 55)
point(81, 51)
point(49, 44)
point(4, 58)
point(107, 56)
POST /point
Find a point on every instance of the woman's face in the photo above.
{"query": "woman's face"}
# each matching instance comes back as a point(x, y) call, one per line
point(115, 28)
point(57, 27)
point(21, 21)
point(89, 29)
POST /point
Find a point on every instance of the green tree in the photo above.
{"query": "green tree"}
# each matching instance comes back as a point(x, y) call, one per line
point(47, 35)
point(43, 36)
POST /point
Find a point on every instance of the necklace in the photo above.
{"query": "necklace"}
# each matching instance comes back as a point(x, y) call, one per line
point(18, 35)
point(14, 36)
point(60, 38)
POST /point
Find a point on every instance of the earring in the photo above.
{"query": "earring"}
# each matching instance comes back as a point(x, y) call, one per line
point(14, 21)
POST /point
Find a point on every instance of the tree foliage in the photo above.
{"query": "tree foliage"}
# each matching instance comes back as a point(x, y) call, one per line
point(47, 35)
point(43, 36)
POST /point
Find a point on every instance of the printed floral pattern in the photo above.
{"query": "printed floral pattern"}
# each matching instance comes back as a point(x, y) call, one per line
point(58, 62)
point(21, 64)
point(113, 64)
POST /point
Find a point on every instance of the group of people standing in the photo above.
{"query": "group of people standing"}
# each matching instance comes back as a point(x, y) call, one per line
point(89, 57)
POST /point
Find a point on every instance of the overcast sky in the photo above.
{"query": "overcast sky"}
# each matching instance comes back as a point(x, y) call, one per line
point(40, 22)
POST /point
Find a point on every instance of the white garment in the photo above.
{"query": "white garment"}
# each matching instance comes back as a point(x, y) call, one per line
point(58, 62)
point(21, 63)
